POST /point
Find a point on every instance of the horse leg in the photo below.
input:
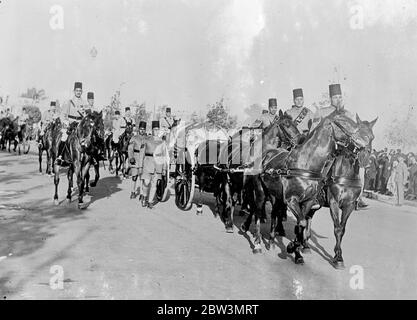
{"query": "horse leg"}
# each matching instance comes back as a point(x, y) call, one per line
point(295, 245)
point(87, 181)
point(82, 172)
point(339, 230)
point(40, 160)
point(96, 175)
point(257, 242)
point(56, 182)
point(70, 176)
point(48, 163)
point(259, 205)
point(228, 208)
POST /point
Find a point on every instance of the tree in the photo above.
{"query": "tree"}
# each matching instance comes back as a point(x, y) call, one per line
point(218, 116)
point(34, 114)
point(139, 111)
point(115, 103)
point(402, 131)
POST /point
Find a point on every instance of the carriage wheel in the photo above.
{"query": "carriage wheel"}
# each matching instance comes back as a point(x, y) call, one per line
point(184, 186)
point(162, 186)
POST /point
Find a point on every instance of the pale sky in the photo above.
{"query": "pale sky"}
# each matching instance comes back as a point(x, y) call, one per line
point(189, 53)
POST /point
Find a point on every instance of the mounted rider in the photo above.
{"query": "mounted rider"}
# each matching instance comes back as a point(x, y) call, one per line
point(167, 122)
point(101, 140)
point(300, 114)
point(47, 117)
point(128, 118)
point(135, 145)
point(268, 118)
point(336, 103)
point(117, 125)
point(150, 167)
point(72, 113)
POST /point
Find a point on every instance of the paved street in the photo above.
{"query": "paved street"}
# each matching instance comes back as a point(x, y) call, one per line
point(115, 249)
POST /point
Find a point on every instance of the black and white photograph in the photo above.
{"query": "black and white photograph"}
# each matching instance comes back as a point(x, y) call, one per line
point(208, 150)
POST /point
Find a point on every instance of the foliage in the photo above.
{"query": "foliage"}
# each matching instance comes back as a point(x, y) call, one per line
point(219, 117)
point(402, 131)
point(34, 114)
point(139, 111)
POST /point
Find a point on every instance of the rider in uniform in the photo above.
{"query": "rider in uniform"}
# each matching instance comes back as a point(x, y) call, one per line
point(135, 146)
point(117, 125)
point(150, 166)
point(129, 120)
point(269, 117)
point(300, 114)
point(336, 103)
point(72, 113)
point(47, 117)
point(167, 122)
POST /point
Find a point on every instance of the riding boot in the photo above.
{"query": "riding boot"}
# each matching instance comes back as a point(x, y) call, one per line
point(132, 195)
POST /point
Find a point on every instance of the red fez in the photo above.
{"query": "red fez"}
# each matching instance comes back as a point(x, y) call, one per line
point(53, 104)
point(90, 95)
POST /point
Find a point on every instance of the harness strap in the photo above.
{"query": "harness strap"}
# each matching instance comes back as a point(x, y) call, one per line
point(344, 181)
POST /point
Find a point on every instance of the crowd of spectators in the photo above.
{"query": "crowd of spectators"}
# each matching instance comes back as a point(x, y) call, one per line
point(392, 173)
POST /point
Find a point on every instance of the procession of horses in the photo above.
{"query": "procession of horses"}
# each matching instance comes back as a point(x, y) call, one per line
point(278, 164)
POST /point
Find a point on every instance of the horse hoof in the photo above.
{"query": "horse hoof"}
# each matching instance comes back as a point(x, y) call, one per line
point(82, 206)
point(290, 248)
point(257, 251)
point(56, 202)
point(339, 265)
point(229, 230)
point(307, 250)
point(93, 184)
point(299, 260)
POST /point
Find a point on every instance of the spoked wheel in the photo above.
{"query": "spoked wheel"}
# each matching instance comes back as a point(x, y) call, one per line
point(184, 185)
point(162, 186)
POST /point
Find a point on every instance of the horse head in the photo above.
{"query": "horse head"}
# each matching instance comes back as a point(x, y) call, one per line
point(85, 131)
point(283, 128)
point(350, 134)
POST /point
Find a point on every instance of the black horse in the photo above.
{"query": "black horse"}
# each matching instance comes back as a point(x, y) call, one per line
point(231, 176)
point(119, 151)
point(46, 143)
point(9, 130)
point(78, 154)
point(292, 178)
point(342, 187)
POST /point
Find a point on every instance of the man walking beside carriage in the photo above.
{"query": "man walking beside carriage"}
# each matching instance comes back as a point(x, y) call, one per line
point(166, 122)
point(150, 166)
point(135, 145)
